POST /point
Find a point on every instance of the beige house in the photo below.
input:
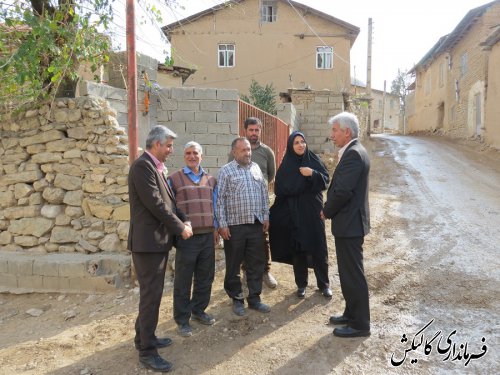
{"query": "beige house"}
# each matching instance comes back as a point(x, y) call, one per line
point(271, 41)
point(457, 81)
point(385, 109)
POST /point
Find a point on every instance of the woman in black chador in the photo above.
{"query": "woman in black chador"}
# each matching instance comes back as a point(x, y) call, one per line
point(297, 232)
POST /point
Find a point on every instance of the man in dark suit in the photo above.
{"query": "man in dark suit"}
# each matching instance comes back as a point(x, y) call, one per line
point(347, 206)
point(154, 221)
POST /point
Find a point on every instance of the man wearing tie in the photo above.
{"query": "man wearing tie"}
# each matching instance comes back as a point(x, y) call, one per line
point(154, 222)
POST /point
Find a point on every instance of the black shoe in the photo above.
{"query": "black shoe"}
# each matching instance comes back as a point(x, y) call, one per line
point(351, 332)
point(203, 318)
point(160, 343)
point(155, 362)
point(260, 307)
point(184, 330)
point(301, 292)
point(336, 320)
point(238, 307)
point(327, 293)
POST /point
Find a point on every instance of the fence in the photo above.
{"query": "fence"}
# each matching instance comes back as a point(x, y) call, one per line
point(275, 132)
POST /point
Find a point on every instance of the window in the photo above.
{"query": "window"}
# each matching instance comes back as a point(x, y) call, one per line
point(226, 55)
point(427, 85)
point(268, 11)
point(441, 75)
point(463, 64)
point(379, 104)
point(391, 104)
point(324, 57)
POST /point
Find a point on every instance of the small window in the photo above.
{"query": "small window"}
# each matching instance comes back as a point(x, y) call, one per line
point(268, 11)
point(463, 64)
point(226, 55)
point(324, 57)
point(441, 75)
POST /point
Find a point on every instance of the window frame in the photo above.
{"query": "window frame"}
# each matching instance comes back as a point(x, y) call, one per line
point(322, 54)
point(226, 56)
point(265, 6)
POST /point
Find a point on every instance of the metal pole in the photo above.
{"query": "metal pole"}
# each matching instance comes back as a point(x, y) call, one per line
point(132, 82)
point(383, 107)
point(369, 76)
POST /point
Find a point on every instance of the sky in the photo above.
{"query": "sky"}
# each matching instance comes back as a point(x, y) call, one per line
point(403, 30)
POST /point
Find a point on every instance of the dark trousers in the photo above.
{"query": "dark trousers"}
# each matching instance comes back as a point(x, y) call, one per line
point(353, 282)
point(245, 245)
point(194, 259)
point(267, 253)
point(150, 270)
point(319, 264)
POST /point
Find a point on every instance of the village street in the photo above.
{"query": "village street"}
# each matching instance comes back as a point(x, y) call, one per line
point(433, 268)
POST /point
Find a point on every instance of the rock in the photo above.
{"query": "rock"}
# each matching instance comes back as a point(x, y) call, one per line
point(78, 133)
point(22, 190)
point(68, 182)
point(13, 213)
point(41, 138)
point(5, 238)
point(71, 154)
point(40, 184)
point(34, 312)
point(64, 235)
point(31, 226)
point(95, 235)
point(54, 195)
point(87, 246)
point(110, 242)
point(35, 149)
point(26, 241)
point(7, 199)
point(123, 229)
point(66, 249)
point(92, 187)
point(73, 211)
point(69, 314)
point(35, 199)
point(51, 211)
point(61, 145)
point(46, 157)
point(121, 213)
point(99, 209)
point(63, 220)
point(26, 176)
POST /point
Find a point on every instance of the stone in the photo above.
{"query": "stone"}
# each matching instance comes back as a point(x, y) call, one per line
point(46, 157)
point(13, 213)
point(7, 199)
point(34, 312)
point(35, 199)
point(110, 242)
point(40, 184)
point(61, 145)
point(68, 182)
point(92, 187)
point(87, 246)
point(69, 169)
point(5, 237)
point(35, 149)
point(95, 235)
point(63, 219)
point(99, 209)
point(61, 116)
point(66, 249)
point(31, 226)
point(123, 229)
point(71, 154)
point(54, 195)
point(73, 198)
point(51, 247)
point(78, 133)
point(51, 211)
point(27, 177)
point(16, 158)
point(44, 137)
point(93, 158)
point(22, 190)
point(26, 241)
point(121, 213)
point(64, 235)
point(73, 212)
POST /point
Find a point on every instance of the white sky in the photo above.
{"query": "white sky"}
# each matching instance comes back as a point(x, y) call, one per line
point(403, 30)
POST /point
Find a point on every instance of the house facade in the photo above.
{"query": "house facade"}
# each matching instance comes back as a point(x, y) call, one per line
point(271, 41)
point(453, 81)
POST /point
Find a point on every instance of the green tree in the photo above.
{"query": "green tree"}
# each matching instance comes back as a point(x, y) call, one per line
point(399, 87)
point(263, 97)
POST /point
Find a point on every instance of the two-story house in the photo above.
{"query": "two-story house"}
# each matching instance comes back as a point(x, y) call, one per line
point(281, 42)
point(452, 81)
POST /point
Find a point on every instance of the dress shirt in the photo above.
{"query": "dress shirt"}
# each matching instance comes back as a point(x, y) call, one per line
point(342, 150)
point(242, 195)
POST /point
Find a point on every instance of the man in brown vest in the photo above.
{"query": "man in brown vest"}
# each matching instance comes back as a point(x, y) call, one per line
point(195, 257)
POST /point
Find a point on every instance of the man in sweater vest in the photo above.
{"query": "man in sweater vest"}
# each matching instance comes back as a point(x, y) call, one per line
point(195, 257)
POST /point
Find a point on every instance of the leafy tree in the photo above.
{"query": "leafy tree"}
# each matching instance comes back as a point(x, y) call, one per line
point(263, 97)
point(399, 87)
point(44, 42)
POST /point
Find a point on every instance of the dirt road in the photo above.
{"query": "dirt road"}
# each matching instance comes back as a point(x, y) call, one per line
point(432, 257)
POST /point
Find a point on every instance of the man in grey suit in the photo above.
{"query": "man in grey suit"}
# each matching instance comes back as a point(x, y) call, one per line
point(154, 221)
point(347, 206)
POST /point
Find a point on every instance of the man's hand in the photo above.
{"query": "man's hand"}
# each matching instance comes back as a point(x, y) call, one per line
point(306, 171)
point(322, 215)
point(225, 233)
point(216, 237)
point(187, 232)
point(265, 226)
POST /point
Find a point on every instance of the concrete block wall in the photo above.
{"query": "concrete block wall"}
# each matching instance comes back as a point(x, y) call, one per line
point(207, 116)
point(313, 109)
point(22, 273)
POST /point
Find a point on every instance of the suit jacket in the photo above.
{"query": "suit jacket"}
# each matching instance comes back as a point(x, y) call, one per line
point(347, 196)
point(154, 218)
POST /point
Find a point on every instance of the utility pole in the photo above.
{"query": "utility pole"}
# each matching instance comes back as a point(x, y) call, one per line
point(369, 77)
point(383, 106)
point(132, 82)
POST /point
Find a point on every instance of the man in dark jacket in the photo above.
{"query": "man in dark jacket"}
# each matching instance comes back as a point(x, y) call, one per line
point(347, 206)
point(154, 221)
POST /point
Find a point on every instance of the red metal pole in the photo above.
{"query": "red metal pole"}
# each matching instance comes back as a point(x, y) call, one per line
point(132, 82)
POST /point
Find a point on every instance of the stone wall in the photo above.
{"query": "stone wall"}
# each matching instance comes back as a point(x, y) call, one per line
point(63, 184)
